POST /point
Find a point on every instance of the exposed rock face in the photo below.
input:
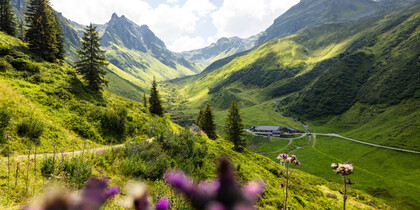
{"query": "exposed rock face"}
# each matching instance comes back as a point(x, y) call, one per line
point(126, 33)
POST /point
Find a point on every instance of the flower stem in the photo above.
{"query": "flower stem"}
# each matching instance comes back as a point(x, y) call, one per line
point(344, 193)
point(287, 185)
point(27, 173)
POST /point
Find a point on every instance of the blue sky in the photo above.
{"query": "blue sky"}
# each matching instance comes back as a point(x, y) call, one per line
point(182, 24)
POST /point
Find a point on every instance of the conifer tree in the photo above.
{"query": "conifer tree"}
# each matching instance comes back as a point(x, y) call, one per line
point(91, 60)
point(155, 107)
point(21, 30)
point(234, 126)
point(61, 52)
point(144, 100)
point(207, 124)
point(200, 118)
point(7, 18)
point(42, 33)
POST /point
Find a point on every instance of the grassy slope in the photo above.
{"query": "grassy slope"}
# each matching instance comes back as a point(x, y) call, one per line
point(382, 100)
point(58, 98)
point(325, 58)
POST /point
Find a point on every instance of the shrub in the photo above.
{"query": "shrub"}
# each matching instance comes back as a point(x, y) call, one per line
point(84, 129)
point(4, 50)
point(4, 65)
point(21, 64)
point(114, 123)
point(47, 167)
point(31, 127)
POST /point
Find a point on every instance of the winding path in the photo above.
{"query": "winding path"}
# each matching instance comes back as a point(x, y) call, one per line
point(366, 143)
point(78, 152)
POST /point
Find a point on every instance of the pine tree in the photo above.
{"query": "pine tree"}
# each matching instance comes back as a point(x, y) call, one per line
point(61, 52)
point(154, 100)
point(234, 127)
point(91, 60)
point(7, 18)
point(43, 34)
point(200, 119)
point(21, 30)
point(144, 100)
point(208, 125)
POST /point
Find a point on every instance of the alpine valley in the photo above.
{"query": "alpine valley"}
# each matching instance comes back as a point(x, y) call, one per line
point(344, 73)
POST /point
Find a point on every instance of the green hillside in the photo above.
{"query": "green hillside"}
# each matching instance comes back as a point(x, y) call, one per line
point(357, 79)
point(324, 71)
point(72, 117)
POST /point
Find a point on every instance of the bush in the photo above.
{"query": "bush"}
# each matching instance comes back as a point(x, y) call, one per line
point(31, 127)
point(4, 50)
point(47, 166)
point(21, 64)
point(4, 65)
point(84, 129)
point(114, 123)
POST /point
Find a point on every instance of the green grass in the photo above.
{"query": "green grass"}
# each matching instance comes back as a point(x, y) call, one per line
point(261, 114)
point(387, 174)
point(395, 126)
point(73, 118)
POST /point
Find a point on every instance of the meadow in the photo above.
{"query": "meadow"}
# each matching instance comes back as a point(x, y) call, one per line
point(383, 173)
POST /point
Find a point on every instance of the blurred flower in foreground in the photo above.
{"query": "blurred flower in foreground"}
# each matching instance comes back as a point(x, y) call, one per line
point(220, 194)
point(137, 196)
point(92, 197)
point(162, 204)
point(344, 170)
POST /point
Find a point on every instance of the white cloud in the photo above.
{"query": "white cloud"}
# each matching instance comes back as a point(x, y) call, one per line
point(172, 1)
point(186, 43)
point(245, 18)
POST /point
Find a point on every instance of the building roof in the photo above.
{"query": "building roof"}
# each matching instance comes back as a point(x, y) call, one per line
point(268, 128)
point(292, 129)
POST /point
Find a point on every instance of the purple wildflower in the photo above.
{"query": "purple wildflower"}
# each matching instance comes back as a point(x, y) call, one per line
point(224, 193)
point(96, 193)
point(253, 190)
point(180, 181)
point(281, 185)
point(163, 204)
point(112, 192)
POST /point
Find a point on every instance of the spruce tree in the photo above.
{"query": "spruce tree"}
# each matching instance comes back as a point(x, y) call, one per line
point(200, 119)
point(208, 125)
point(41, 33)
point(61, 52)
point(155, 107)
point(234, 126)
point(7, 18)
point(21, 30)
point(91, 60)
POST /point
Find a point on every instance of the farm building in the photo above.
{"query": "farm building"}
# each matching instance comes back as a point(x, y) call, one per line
point(270, 130)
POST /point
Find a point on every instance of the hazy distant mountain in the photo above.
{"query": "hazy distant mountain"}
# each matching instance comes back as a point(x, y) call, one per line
point(223, 48)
